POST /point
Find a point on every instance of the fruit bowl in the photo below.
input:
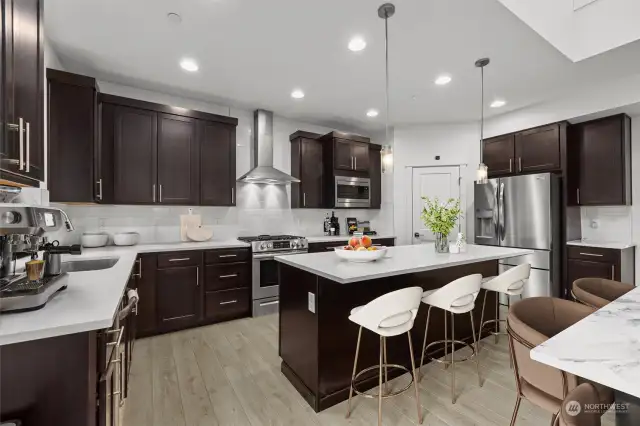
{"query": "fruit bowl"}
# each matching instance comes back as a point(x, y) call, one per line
point(361, 256)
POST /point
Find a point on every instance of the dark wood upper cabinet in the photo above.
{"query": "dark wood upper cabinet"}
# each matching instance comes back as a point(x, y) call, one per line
point(600, 152)
point(360, 156)
point(22, 150)
point(498, 153)
point(306, 165)
point(217, 143)
point(178, 160)
point(135, 156)
point(72, 106)
point(375, 174)
point(179, 296)
point(539, 149)
point(343, 155)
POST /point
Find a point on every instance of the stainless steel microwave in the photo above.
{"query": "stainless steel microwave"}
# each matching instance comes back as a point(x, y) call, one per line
point(352, 192)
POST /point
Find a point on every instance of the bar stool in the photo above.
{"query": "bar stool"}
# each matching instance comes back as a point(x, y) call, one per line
point(598, 292)
point(457, 297)
point(389, 315)
point(511, 283)
point(585, 394)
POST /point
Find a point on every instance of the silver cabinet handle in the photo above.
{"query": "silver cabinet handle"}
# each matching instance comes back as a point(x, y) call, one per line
point(139, 274)
point(153, 189)
point(578, 194)
point(520, 164)
point(28, 146)
point(613, 272)
point(228, 276)
point(197, 276)
point(227, 255)
point(181, 259)
point(229, 302)
point(304, 199)
point(233, 195)
point(99, 189)
point(510, 165)
point(355, 163)
point(591, 254)
point(21, 140)
point(160, 192)
point(270, 303)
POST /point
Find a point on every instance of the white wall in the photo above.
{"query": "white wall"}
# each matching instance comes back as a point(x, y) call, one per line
point(417, 146)
point(260, 209)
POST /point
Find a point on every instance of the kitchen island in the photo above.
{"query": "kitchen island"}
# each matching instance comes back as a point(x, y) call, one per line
point(318, 291)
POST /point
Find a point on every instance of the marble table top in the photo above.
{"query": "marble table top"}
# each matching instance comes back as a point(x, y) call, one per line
point(604, 347)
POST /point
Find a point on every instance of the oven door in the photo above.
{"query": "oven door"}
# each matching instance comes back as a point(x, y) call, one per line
point(352, 192)
point(265, 275)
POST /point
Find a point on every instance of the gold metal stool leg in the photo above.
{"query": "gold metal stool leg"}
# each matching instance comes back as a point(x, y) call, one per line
point(497, 317)
point(415, 377)
point(386, 379)
point(476, 344)
point(482, 319)
point(355, 367)
point(424, 343)
point(446, 332)
point(380, 382)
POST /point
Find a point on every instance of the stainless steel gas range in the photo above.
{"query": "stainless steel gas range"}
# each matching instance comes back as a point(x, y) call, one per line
point(264, 277)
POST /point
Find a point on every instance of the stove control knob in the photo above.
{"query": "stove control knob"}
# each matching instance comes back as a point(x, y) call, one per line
point(294, 244)
point(270, 245)
point(10, 218)
point(263, 246)
point(301, 243)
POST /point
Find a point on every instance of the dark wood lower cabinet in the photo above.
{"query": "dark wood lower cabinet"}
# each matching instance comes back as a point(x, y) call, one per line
point(145, 281)
point(596, 262)
point(228, 304)
point(178, 297)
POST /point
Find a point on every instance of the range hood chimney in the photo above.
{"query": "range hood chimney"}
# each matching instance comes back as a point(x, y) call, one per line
point(262, 170)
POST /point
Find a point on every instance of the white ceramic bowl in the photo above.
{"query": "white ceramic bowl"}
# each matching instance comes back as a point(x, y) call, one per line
point(126, 238)
point(361, 256)
point(94, 239)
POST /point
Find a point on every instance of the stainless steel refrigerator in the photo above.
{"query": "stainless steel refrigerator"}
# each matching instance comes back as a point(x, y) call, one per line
point(524, 212)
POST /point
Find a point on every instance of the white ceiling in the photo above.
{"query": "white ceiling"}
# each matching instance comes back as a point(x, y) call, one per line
point(253, 53)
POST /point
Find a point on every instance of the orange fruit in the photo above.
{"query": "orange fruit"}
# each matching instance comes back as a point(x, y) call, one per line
point(366, 241)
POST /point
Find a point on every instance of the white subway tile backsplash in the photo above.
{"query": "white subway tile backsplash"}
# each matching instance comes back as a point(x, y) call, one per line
point(614, 223)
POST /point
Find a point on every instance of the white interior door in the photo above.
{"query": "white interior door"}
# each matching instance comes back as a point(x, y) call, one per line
point(441, 182)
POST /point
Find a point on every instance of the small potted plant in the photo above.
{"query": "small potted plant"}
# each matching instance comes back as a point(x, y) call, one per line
point(441, 218)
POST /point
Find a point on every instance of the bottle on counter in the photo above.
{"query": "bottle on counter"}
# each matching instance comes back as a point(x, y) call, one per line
point(327, 225)
point(335, 224)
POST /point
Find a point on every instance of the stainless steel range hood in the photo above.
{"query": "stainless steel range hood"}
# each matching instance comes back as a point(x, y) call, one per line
point(262, 170)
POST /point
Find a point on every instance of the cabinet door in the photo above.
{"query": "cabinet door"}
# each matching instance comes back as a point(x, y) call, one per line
point(217, 163)
point(178, 163)
point(24, 87)
point(135, 159)
point(538, 150)
point(179, 297)
point(498, 154)
point(342, 154)
point(311, 173)
point(602, 162)
point(71, 142)
point(145, 282)
point(360, 152)
point(586, 269)
point(375, 174)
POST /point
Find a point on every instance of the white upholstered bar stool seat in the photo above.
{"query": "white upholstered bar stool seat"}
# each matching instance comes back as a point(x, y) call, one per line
point(457, 297)
point(511, 283)
point(389, 315)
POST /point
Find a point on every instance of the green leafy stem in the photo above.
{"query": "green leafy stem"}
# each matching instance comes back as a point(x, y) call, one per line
point(440, 217)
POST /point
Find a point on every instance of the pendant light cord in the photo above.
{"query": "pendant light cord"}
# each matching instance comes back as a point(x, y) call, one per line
point(481, 113)
point(386, 92)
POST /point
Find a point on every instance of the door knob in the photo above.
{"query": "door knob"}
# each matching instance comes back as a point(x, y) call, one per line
point(416, 235)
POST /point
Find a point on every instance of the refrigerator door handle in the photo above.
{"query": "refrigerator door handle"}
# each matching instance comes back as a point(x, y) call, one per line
point(496, 212)
point(501, 213)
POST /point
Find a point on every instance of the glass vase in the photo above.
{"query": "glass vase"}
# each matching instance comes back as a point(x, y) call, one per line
point(442, 243)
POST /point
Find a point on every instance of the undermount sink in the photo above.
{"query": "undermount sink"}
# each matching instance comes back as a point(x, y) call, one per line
point(89, 265)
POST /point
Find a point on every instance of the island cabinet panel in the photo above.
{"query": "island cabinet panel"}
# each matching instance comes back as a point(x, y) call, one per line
point(317, 340)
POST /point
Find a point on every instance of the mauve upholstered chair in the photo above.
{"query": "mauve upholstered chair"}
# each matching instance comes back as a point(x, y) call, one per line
point(582, 396)
point(598, 292)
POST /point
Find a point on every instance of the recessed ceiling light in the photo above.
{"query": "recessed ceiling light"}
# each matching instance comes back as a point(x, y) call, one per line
point(442, 80)
point(498, 103)
point(297, 94)
point(174, 18)
point(357, 44)
point(372, 113)
point(189, 65)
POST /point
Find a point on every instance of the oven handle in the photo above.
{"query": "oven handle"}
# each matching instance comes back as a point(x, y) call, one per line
point(268, 256)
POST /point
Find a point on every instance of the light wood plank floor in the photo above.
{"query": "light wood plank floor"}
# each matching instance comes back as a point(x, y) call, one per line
point(229, 374)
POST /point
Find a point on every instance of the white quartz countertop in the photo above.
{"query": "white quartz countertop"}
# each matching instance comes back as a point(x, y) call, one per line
point(615, 245)
point(329, 239)
point(604, 347)
point(400, 260)
point(91, 298)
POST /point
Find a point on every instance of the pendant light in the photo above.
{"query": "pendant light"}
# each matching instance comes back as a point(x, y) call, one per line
point(482, 172)
point(385, 12)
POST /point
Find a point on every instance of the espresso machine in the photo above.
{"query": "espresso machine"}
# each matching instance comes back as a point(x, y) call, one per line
point(22, 235)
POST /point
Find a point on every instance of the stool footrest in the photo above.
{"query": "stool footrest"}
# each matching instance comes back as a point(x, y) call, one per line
point(474, 353)
point(484, 325)
point(376, 367)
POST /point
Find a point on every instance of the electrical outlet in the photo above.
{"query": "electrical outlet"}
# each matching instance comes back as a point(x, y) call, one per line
point(595, 224)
